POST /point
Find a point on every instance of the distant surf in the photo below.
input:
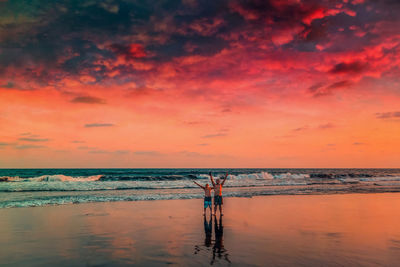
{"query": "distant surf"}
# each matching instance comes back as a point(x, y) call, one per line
point(37, 187)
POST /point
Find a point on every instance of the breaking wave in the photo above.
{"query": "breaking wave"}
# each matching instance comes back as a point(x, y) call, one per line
point(22, 188)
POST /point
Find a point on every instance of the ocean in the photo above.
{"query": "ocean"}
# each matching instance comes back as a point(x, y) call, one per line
point(38, 187)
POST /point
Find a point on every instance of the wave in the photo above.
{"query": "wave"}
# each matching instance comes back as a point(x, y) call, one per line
point(52, 178)
point(108, 177)
point(35, 199)
point(262, 176)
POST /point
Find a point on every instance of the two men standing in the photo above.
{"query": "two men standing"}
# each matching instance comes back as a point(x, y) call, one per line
point(217, 186)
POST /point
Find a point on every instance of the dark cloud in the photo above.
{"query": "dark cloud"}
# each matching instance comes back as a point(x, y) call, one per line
point(86, 147)
point(300, 129)
point(29, 147)
point(358, 143)
point(8, 85)
point(313, 88)
point(92, 125)
point(30, 139)
point(130, 51)
point(122, 152)
point(99, 152)
point(203, 144)
point(326, 126)
point(193, 122)
point(2, 144)
point(194, 154)
point(47, 41)
point(340, 84)
point(328, 90)
point(388, 115)
point(117, 152)
point(88, 100)
point(352, 67)
point(214, 135)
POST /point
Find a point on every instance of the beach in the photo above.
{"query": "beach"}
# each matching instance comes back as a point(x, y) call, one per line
point(301, 230)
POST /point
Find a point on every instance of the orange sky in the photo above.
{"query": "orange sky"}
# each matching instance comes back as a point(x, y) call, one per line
point(256, 84)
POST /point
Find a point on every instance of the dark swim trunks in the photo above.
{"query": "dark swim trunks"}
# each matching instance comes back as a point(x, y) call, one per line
point(207, 202)
point(218, 200)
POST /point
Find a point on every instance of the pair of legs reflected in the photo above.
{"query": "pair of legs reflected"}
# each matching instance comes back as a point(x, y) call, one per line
point(218, 248)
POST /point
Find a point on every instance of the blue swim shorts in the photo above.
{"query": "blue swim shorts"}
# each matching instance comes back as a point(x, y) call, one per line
point(207, 202)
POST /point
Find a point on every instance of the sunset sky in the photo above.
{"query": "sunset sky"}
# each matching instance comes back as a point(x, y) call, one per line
point(193, 83)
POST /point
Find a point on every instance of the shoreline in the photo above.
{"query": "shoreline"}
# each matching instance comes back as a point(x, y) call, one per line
point(329, 192)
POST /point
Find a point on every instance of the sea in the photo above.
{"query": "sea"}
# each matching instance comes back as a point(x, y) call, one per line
point(39, 187)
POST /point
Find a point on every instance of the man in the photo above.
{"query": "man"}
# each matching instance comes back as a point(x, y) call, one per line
point(207, 197)
point(218, 193)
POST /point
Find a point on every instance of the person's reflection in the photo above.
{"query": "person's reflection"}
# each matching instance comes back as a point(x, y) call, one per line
point(219, 248)
point(208, 235)
point(208, 231)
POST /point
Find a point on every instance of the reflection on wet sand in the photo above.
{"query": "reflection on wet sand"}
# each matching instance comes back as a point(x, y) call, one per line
point(319, 230)
point(218, 249)
point(208, 231)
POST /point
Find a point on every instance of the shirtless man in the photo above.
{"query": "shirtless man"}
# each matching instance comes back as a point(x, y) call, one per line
point(207, 197)
point(218, 192)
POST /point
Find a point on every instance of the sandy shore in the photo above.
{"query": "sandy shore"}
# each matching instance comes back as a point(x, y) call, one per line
point(302, 230)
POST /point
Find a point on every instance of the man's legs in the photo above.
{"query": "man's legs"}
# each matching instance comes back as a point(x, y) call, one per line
point(220, 209)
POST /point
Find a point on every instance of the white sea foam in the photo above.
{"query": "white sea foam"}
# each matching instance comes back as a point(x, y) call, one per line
point(55, 178)
point(61, 189)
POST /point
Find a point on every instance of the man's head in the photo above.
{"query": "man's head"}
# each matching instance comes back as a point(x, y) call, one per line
point(207, 185)
point(217, 181)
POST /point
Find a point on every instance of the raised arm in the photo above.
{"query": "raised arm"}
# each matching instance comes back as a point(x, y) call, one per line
point(226, 176)
point(212, 179)
point(199, 185)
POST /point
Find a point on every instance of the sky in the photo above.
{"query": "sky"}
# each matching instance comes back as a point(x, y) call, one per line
point(193, 83)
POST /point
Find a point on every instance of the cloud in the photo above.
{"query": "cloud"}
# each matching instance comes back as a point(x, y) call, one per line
point(130, 51)
point(101, 151)
point(29, 147)
point(203, 144)
point(147, 153)
point(87, 147)
point(340, 84)
point(214, 135)
point(122, 152)
point(326, 126)
point(93, 125)
point(193, 122)
point(88, 100)
point(313, 88)
point(358, 143)
point(388, 115)
point(77, 142)
point(328, 90)
point(8, 85)
point(6, 144)
point(300, 129)
point(352, 67)
point(29, 139)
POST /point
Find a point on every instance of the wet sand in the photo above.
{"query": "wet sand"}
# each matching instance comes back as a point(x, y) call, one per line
point(301, 230)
